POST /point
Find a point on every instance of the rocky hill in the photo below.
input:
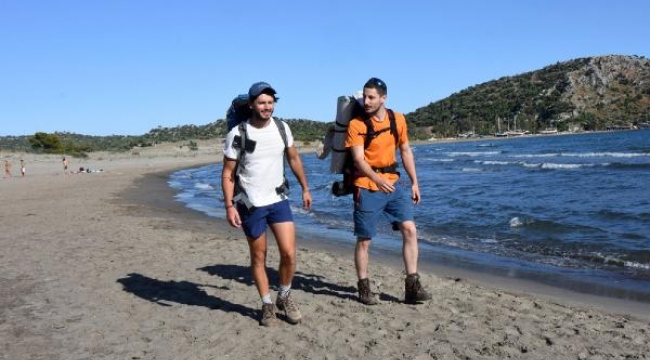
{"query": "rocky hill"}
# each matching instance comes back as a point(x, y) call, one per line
point(594, 93)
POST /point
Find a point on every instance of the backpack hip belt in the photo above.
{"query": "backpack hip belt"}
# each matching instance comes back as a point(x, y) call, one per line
point(390, 169)
point(242, 198)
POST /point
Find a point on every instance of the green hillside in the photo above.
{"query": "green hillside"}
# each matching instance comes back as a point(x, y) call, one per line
point(593, 93)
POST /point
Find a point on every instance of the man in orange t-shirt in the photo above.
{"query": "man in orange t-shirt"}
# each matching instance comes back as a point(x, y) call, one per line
point(378, 191)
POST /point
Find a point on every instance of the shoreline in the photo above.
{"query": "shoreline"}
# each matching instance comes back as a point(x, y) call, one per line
point(513, 283)
point(109, 266)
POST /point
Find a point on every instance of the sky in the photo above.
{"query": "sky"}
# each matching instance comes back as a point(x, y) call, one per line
point(124, 67)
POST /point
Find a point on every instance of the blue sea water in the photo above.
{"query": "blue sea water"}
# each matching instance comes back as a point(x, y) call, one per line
point(566, 210)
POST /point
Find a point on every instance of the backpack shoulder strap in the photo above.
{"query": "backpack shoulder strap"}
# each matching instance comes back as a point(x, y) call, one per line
point(284, 188)
point(370, 131)
point(282, 131)
point(241, 127)
point(244, 136)
point(283, 134)
point(393, 126)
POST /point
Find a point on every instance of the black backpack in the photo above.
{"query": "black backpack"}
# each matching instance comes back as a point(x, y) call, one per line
point(238, 112)
point(346, 186)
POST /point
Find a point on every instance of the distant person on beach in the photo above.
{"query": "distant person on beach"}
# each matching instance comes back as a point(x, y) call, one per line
point(65, 165)
point(8, 168)
point(22, 168)
point(258, 170)
point(377, 190)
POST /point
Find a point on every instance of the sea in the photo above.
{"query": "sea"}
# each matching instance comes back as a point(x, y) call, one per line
point(567, 210)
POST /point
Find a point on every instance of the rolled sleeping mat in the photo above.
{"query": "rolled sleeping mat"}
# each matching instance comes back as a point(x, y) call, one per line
point(344, 112)
point(344, 108)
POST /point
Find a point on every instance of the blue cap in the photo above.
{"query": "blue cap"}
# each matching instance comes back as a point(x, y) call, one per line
point(259, 88)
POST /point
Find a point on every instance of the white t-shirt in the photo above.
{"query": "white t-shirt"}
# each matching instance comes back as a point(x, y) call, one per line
point(263, 168)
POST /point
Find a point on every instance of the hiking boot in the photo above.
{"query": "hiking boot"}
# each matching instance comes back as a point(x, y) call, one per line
point(290, 308)
point(268, 315)
point(413, 291)
point(365, 295)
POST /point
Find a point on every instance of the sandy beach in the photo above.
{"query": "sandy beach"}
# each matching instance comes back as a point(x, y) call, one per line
point(106, 265)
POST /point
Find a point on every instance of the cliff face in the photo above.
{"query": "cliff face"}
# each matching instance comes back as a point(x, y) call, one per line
point(588, 93)
point(610, 86)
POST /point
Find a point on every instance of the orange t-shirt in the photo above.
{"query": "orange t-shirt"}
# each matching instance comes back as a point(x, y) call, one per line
point(381, 152)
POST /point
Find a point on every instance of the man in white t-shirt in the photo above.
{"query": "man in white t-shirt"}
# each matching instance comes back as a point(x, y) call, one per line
point(261, 180)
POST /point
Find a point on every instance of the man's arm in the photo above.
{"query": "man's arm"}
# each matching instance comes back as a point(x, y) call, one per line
point(228, 189)
point(360, 162)
point(408, 160)
point(295, 163)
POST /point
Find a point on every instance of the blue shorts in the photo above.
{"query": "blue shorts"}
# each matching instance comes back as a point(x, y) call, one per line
point(397, 206)
point(256, 220)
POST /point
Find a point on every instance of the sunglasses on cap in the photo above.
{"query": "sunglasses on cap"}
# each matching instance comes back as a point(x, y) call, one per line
point(376, 83)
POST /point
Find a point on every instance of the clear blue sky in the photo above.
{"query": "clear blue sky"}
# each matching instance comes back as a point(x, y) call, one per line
point(102, 67)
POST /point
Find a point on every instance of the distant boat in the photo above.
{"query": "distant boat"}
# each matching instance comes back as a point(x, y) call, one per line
point(499, 133)
point(516, 131)
point(469, 134)
point(548, 131)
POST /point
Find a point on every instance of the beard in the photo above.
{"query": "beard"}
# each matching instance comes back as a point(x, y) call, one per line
point(263, 115)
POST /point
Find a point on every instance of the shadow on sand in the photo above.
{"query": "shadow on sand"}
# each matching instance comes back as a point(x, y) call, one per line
point(310, 283)
point(165, 293)
point(182, 292)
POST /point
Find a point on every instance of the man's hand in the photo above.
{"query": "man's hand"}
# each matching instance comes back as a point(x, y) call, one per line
point(384, 185)
point(306, 199)
point(233, 216)
point(415, 194)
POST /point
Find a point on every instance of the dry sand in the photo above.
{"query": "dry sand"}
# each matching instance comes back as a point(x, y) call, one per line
point(107, 266)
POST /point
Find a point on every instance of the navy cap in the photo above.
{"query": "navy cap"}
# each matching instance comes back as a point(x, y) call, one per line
point(259, 88)
point(375, 83)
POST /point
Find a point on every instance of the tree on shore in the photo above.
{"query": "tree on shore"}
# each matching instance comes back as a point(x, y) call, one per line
point(46, 143)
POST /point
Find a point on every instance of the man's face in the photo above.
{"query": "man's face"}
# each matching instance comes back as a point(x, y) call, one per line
point(263, 106)
point(372, 101)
